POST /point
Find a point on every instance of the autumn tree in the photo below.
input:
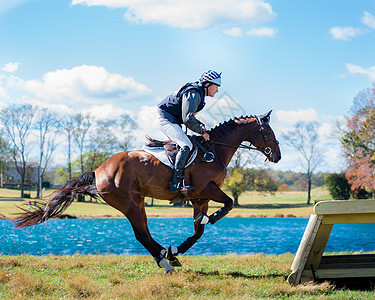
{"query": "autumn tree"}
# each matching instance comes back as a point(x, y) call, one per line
point(245, 174)
point(236, 183)
point(304, 138)
point(358, 141)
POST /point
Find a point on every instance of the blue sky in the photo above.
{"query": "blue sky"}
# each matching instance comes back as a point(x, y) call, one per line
point(306, 60)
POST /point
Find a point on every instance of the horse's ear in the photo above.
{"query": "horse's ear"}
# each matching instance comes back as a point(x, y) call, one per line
point(266, 117)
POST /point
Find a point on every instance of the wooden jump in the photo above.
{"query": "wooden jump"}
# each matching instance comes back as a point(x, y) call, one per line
point(309, 264)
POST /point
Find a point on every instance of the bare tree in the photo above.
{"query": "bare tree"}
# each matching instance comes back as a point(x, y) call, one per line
point(305, 139)
point(67, 127)
point(17, 120)
point(102, 141)
point(5, 157)
point(243, 158)
point(46, 124)
point(82, 125)
point(127, 125)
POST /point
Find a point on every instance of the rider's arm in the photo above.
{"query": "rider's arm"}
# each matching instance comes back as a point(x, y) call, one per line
point(190, 101)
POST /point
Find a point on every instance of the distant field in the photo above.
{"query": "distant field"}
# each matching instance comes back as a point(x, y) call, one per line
point(252, 204)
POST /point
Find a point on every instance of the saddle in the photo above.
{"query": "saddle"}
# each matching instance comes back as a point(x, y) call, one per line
point(170, 148)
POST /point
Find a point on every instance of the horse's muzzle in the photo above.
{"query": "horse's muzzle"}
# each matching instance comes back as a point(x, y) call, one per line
point(273, 157)
point(276, 157)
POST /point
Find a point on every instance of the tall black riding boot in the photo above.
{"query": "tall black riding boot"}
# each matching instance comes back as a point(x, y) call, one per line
point(177, 183)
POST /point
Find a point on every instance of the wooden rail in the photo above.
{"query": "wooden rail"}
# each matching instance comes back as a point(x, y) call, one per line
point(309, 263)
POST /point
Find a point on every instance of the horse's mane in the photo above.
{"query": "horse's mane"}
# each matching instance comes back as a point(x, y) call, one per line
point(221, 128)
point(218, 131)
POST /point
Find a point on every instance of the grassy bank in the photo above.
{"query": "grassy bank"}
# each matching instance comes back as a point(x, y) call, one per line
point(137, 277)
point(252, 204)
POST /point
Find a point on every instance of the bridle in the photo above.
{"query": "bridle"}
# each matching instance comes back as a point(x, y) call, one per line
point(267, 149)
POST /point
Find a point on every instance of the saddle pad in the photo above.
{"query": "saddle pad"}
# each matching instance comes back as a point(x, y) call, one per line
point(160, 154)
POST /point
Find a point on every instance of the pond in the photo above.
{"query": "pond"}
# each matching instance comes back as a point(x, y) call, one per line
point(230, 235)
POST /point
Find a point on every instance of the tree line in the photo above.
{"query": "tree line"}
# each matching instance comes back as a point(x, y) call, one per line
point(27, 128)
point(32, 130)
point(358, 143)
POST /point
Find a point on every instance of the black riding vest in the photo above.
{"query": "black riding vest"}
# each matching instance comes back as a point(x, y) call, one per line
point(170, 107)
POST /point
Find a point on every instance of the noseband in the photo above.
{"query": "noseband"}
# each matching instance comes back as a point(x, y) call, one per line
point(267, 150)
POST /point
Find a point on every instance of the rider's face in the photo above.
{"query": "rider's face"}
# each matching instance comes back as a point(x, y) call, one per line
point(212, 90)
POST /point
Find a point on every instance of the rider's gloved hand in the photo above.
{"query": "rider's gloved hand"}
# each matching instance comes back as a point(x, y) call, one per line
point(205, 135)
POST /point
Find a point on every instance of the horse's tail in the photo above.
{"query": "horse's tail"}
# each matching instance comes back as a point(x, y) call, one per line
point(60, 201)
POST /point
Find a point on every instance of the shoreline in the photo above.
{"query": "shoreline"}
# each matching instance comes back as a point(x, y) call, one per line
point(178, 215)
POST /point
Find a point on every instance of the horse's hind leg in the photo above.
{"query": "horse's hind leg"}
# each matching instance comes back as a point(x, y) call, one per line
point(138, 219)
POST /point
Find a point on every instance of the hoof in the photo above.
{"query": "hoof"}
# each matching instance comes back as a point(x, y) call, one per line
point(170, 272)
point(174, 262)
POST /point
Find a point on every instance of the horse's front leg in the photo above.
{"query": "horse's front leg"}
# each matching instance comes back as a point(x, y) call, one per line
point(200, 206)
point(213, 192)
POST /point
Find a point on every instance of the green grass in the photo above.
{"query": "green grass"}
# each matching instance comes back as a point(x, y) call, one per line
point(252, 204)
point(137, 277)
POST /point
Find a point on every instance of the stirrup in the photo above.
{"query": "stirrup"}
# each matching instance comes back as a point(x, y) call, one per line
point(180, 187)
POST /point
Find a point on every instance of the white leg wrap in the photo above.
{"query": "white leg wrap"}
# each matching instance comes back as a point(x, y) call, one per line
point(174, 250)
point(163, 252)
point(205, 220)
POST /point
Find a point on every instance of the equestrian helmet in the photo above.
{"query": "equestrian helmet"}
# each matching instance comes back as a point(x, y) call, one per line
point(212, 77)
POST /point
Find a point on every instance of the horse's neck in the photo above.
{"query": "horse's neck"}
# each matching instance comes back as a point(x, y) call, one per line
point(233, 137)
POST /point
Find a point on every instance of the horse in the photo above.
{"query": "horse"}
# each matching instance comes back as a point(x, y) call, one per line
point(126, 178)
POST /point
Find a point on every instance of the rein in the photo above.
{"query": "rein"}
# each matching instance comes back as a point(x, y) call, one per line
point(267, 150)
point(210, 155)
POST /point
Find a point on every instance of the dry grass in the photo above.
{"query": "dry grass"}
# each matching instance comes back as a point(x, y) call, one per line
point(137, 277)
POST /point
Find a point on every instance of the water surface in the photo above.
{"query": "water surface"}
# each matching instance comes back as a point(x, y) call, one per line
point(229, 235)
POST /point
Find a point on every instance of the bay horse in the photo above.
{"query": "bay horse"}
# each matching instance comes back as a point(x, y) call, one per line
point(126, 178)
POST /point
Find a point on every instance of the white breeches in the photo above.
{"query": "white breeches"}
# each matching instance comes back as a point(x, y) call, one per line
point(175, 133)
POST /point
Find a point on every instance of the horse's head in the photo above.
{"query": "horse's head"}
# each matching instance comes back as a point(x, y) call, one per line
point(264, 139)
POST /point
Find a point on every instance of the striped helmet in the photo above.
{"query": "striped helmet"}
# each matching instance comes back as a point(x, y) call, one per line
point(211, 76)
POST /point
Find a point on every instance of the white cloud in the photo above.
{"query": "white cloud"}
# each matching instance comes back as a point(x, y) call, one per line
point(232, 32)
point(345, 33)
point(58, 108)
point(263, 31)
point(148, 124)
point(193, 14)
point(106, 111)
point(8, 5)
point(10, 67)
point(357, 70)
point(84, 83)
point(294, 116)
point(368, 19)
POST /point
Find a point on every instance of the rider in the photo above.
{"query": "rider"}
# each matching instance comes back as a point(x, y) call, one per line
point(180, 108)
